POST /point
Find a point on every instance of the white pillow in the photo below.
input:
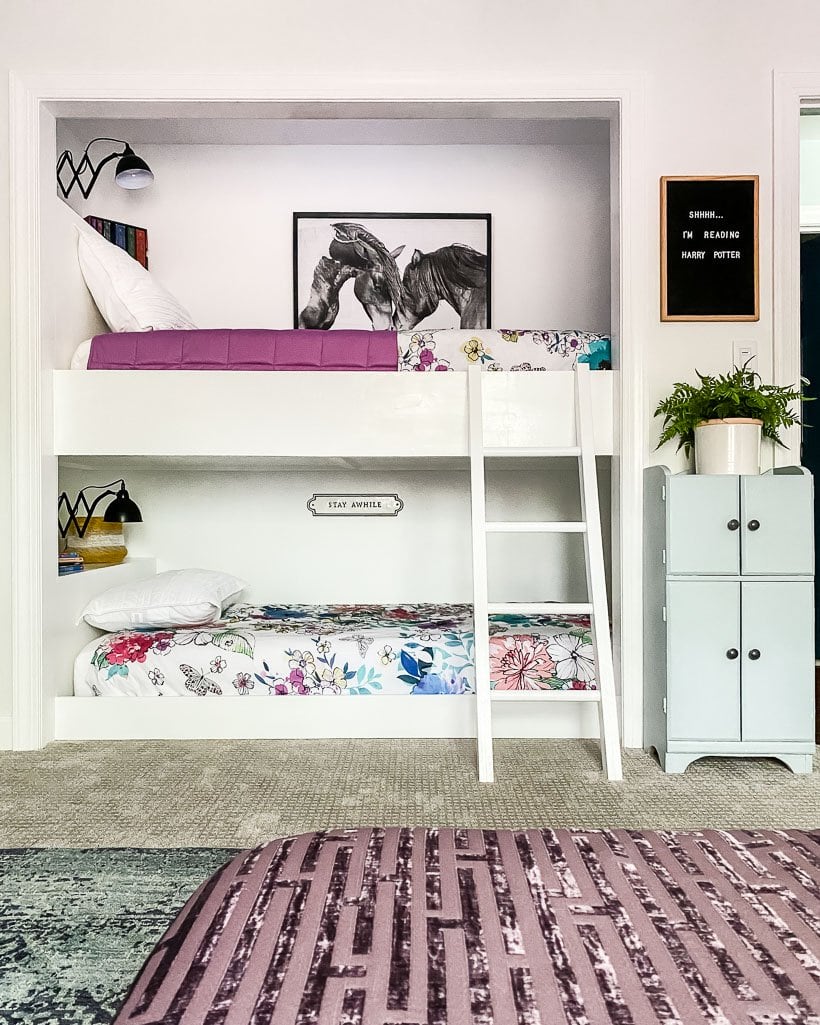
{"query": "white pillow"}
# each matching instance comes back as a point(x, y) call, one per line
point(180, 597)
point(127, 296)
point(79, 361)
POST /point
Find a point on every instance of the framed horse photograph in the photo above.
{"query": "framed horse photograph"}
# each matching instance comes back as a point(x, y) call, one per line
point(391, 271)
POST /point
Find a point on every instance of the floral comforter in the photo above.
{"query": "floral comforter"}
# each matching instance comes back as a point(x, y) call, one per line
point(454, 349)
point(272, 650)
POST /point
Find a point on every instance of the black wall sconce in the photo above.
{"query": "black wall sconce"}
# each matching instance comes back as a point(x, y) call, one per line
point(132, 171)
point(121, 510)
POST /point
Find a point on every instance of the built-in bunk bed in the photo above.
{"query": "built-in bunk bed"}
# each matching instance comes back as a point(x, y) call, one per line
point(356, 649)
point(409, 391)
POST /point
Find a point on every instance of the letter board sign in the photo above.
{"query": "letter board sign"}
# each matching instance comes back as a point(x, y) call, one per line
point(709, 248)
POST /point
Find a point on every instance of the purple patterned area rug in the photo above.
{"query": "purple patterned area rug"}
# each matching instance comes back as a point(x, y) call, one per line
point(497, 927)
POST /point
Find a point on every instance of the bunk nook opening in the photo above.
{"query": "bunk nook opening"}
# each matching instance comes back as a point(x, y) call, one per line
point(220, 470)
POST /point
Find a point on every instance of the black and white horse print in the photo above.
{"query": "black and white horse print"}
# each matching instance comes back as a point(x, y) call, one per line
point(455, 274)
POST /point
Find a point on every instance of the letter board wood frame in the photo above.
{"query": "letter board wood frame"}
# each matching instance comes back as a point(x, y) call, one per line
point(710, 266)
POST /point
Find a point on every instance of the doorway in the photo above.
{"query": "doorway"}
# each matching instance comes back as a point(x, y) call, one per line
point(810, 327)
point(810, 369)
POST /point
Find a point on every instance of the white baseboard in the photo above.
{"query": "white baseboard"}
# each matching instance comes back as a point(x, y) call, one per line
point(183, 718)
point(5, 733)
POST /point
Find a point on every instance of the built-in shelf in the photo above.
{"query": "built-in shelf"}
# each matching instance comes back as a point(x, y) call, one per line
point(93, 579)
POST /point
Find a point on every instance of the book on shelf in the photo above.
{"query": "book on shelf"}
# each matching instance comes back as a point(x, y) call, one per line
point(132, 239)
point(64, 571)
point(69, 562)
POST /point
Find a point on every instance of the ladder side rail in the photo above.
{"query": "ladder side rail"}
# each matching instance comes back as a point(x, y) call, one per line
point(481, 615)
point(596, 576)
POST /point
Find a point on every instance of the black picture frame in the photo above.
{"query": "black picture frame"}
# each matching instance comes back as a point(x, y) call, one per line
point(440, 226)
point(710, 248)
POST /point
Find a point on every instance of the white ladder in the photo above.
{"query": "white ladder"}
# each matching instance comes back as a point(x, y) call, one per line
point(596, 604)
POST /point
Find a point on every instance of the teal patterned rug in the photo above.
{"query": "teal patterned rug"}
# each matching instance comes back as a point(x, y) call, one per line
point(76, 925)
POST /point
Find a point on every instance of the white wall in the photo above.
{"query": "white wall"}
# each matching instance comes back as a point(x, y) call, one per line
point(708, 82)
point(219, 220)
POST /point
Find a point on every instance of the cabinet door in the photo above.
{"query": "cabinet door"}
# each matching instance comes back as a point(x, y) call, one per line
point(704, 525)
point(703, 675)
point(777, 524)
point(777, 675)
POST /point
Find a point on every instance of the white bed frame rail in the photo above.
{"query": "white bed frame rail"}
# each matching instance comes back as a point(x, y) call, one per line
point(388, 716)
point(352, 414)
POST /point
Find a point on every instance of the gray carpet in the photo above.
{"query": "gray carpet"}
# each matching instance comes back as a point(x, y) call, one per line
point(239, 793)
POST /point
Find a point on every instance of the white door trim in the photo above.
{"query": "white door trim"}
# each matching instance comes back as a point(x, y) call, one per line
point(790, 91)
point(28, 728)
point(35, 101)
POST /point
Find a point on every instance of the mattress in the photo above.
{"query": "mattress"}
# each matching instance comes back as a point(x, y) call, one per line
point(356, 650)
point(416, 351)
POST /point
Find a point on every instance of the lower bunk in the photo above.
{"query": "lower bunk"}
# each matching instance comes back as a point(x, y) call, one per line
point(310, 661)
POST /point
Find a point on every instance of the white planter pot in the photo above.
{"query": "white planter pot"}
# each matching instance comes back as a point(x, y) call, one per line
point(728, 446)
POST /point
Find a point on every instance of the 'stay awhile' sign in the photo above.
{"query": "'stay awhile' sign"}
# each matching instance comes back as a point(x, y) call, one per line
point(709, 248)
point(355, 505)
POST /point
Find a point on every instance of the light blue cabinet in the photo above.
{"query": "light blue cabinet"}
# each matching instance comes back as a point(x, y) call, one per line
point(703, 623)
point(729, 616)
point(777, 623)
point(699, 510)
point(781, 507)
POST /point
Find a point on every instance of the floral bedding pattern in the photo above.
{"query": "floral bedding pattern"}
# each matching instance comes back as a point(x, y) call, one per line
point(449, 349)
point(273, 650)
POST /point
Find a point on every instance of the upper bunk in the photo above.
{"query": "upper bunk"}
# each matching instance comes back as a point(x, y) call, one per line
point(155, 409)
point(182, 411)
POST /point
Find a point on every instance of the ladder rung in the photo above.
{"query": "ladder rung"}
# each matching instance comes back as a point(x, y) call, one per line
point(554, 453)
point(545, 695)
point(535, 527)
point(540, 608)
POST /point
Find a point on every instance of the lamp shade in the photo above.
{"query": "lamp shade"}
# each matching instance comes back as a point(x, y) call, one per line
point(123, 509)
point(132, 171)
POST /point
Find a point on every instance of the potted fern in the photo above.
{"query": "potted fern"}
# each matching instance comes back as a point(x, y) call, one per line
point(724, 418)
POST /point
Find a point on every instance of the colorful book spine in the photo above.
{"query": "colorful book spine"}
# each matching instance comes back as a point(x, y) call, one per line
point(142, 246)
point(69, 562)
point(132, 239)
point(64, 571)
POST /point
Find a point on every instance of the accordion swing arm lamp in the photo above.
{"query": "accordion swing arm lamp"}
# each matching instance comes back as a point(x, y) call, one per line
point(132, 172)
point(122, 510)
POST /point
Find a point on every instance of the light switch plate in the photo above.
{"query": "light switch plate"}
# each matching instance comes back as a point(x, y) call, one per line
point(742, 352)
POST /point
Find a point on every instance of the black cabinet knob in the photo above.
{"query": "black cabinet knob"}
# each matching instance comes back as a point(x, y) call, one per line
point(733, 524)
point(754, 654)
point(732, 653)
point(754, 524)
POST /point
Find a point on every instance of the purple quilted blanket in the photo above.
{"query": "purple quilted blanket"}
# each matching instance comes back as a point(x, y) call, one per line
point(245, 349)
